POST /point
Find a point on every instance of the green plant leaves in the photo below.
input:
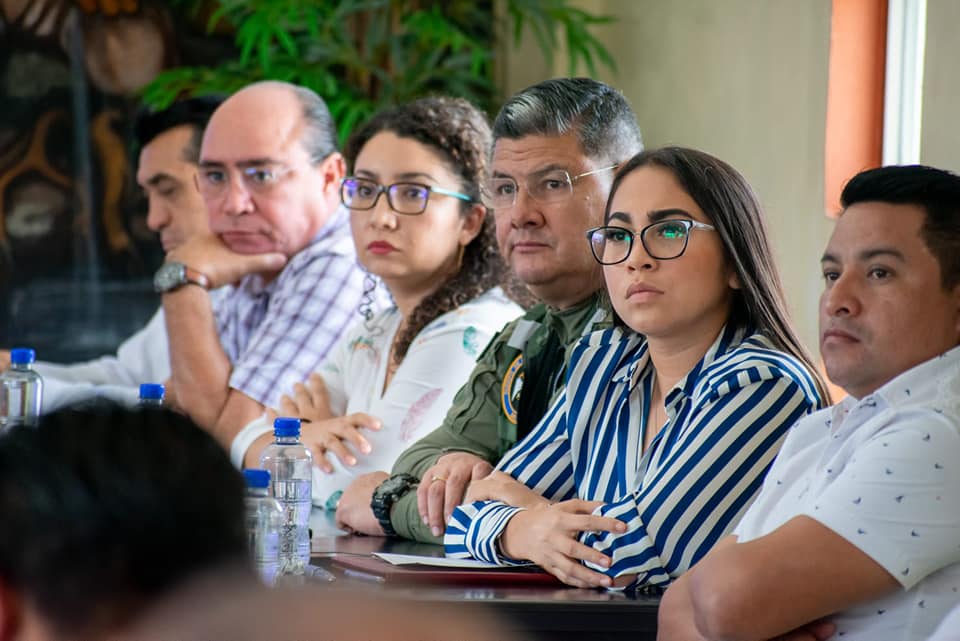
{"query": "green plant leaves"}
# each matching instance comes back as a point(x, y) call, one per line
point(363, 55)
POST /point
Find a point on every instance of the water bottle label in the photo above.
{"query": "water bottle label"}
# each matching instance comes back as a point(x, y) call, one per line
point(15, 401)
point(20, 397)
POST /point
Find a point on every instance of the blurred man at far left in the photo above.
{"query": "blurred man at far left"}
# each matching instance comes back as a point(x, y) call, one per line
point(105, 511)
point(169, 143)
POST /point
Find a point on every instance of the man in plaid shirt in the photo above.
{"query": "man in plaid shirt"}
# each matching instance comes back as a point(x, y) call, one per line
point(269, 175)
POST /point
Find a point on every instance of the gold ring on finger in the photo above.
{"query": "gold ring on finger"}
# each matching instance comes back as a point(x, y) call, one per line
point(438, 478)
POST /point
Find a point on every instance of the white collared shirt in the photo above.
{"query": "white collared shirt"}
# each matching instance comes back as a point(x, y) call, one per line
point(144, 357)
point(883, 472)
point(949, 629)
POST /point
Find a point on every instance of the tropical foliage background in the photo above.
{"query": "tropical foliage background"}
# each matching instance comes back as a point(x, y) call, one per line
point(361, 55)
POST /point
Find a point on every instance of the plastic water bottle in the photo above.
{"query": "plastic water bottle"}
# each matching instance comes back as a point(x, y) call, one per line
point(264, 518)
point(21, 390)
point(290, 465)
point(151, 395)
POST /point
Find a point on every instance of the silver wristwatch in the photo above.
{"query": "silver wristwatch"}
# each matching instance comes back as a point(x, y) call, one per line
point(174, 275)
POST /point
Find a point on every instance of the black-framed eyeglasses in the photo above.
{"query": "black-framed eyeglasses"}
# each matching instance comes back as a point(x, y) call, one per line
point(546, 186)
point(407, 198)
point(664, 240)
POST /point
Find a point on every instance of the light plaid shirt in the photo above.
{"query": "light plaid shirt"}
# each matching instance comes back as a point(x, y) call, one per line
point(276, 334)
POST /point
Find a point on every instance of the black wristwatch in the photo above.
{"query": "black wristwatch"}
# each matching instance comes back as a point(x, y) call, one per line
point(387, 494)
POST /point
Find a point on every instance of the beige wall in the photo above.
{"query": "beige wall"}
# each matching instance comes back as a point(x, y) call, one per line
point(743, 79)
point(940, 131)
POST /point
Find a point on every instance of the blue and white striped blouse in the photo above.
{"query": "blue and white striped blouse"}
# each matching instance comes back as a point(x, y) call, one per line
point(726, 420)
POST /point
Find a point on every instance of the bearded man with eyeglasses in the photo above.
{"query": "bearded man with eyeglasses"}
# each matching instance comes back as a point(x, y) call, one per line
point(281, 246)
point(556, 147)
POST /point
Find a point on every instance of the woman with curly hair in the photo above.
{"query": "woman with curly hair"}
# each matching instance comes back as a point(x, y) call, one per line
point(420, 228)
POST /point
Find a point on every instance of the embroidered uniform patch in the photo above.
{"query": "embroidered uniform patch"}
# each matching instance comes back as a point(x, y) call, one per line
point(510, 389)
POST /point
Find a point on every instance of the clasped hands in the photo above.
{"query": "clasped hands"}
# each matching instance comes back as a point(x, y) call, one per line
point(323, 432)
point(341, 436)
point(545, 533)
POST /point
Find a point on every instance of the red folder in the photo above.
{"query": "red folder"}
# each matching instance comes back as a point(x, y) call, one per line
point(373, 569)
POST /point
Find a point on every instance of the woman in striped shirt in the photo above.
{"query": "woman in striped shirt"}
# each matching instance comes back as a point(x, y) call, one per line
point(670, 420)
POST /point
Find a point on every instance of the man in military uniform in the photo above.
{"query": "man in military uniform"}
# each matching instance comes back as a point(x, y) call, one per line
point(556, 148)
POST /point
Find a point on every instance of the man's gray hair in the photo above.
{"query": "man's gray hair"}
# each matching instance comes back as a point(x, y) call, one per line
point(320, 134)
point(605, 125)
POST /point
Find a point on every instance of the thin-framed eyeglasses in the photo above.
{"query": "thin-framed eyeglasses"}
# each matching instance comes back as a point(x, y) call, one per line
point(662, 240)
point(409, 198)
point(258, 179)
point(545, 186)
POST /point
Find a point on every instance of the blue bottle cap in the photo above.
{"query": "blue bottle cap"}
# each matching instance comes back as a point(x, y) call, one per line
point(152, 391)
point(22, 355)
point(284, 426)
point(257, 478)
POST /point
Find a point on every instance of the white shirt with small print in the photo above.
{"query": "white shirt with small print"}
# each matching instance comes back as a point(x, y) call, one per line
point(949, 629)
point(883, 472)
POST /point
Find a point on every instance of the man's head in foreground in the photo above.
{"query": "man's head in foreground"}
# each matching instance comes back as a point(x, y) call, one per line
point(103, 511)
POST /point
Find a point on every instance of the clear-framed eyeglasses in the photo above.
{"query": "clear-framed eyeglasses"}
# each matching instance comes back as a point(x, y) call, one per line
point(664, 240)
point(407, 198)
point(546, 186)
point(214, 181)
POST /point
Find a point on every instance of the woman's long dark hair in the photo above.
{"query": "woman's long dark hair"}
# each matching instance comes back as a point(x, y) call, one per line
point(460, 134)
point(726, 198)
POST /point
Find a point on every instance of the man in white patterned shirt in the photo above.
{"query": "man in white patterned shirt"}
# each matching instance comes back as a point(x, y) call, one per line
point(856, 532)
point(269, 175)
point(949, 629)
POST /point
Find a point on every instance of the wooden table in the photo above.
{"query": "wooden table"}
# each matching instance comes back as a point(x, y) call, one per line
point(541, 612)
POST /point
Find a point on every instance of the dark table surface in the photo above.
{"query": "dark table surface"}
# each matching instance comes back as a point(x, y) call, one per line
point(539, 611)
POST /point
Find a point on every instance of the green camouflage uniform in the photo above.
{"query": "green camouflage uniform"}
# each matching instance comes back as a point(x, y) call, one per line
point(483, 418)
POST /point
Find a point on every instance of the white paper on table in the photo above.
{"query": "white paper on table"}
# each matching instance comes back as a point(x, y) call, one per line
point(434, 561)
